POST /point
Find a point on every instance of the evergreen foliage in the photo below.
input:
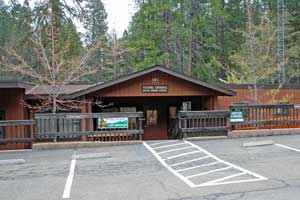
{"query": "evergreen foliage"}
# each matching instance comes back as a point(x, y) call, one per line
point(207, 39)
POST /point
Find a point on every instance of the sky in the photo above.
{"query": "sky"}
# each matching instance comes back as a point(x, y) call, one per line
point(119, 14)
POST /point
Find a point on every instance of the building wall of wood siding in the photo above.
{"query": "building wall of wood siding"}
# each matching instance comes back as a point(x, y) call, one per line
point(11, 102)
point(244, 95)
point(130, 93)
point(176, 87)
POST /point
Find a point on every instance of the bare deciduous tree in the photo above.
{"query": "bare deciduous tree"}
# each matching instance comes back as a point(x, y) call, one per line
point(55, 70)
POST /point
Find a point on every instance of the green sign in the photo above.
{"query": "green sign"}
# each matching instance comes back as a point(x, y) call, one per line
point(116, 122)
point(236, 116)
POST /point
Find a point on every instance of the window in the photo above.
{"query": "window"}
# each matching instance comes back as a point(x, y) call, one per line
point(186, 106)
point(151, 117)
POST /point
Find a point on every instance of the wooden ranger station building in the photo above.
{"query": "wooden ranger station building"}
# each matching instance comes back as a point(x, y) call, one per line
point(157, 92)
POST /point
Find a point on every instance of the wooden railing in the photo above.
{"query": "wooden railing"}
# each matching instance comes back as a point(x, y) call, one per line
point(18, 132)
point(203, 123)
point(267, 116)
point(76, 125)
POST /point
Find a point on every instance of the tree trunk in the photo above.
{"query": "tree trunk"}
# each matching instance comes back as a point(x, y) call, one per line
point(192, 38)
point(114, 67)
point(189, 66)
point(54, 108)
point(166, 22)
point(222, 36)
point(55, 12)
point(253, 65)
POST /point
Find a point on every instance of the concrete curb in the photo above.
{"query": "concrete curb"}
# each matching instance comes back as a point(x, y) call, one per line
point(258, 143)
point(12, 162)
point(263, 132)
point(15, 151)
point(73, 145)
point(206, 138)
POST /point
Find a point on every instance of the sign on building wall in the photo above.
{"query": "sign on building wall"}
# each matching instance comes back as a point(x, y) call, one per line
point(236, 116)
point(154, 88)
point(116, 122)
point(297, 106)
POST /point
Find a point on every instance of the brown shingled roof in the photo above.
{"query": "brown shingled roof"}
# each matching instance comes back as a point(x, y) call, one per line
point(43, 90)
point(15, 84)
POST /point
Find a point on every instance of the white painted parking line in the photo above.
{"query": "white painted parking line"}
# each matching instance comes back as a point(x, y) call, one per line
point(198, 166)
point(182, 154)
point(68, 186)
point(224, 178)
point(188, 161)
point(170, 145)
point(229, 182)
point(164, 142)
point(171, 150)
point(213, 160)
point(287, 147)
point(209, 172)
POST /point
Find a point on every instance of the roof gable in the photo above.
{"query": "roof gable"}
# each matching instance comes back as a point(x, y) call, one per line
point(97, 87)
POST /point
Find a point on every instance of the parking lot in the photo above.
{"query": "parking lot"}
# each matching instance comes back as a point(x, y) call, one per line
point(215, 169)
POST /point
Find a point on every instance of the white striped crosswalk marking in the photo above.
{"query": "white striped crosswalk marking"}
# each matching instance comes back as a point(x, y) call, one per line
point(182, 154)
point(170, 145)
point(225, 178)
point(163, 142)
point(208, 172)
point(207, 160)
point(172, 150)
point(198, 166)
point(189, 161)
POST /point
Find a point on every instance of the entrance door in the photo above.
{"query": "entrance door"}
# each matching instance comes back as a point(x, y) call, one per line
point(155, 124)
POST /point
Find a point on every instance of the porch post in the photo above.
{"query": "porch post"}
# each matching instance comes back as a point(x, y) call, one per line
point(210, 102)
point(32, 128)
point(83, 122)
point(215, 103)
point(89, 111)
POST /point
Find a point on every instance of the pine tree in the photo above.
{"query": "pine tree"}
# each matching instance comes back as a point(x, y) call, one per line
point(96, 29)
point(54, 18)
point(95, 20)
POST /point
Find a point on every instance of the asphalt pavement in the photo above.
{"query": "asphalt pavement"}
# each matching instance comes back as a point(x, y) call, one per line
point(208, 170)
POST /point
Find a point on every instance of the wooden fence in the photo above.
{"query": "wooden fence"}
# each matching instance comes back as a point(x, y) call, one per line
point(16, 134)
point(203, 123)
point(75, 125)
point(267, 116)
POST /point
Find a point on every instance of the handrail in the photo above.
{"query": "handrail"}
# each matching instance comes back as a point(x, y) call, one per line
point(199, 123)
point(88, 115)
point(267, 116)
point(16, 122)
